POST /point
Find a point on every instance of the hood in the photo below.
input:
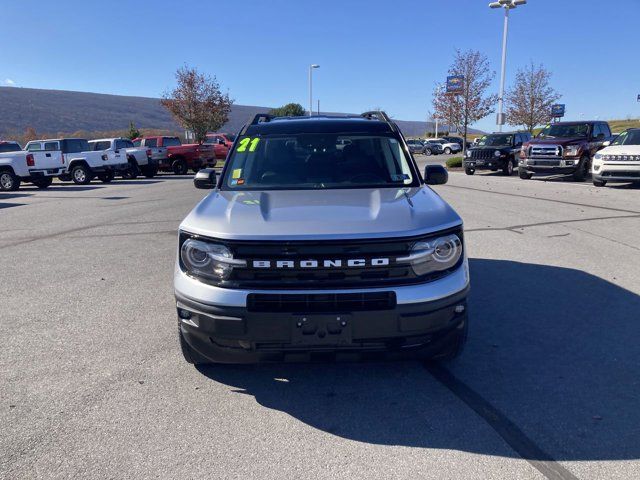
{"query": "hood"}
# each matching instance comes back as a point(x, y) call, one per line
point(621, 150)
point(320, 214)
point(557, 141)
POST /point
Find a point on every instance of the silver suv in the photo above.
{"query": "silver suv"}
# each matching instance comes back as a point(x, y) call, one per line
point(321, 237)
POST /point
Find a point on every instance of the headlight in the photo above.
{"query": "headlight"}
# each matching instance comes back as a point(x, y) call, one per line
point(571, 151)
point(497, 153)
point(434, 255)
point(597, 156)
point(467, 153)
point(208, 260)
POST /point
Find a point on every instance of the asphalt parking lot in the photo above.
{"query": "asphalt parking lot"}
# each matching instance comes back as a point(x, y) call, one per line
point(92, 384)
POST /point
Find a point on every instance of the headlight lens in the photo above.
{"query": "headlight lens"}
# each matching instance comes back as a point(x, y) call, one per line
point(434, 255)
point(208, 260)
point(497, 153)
point(467, 153)
point(597, 156)
point(571, 151)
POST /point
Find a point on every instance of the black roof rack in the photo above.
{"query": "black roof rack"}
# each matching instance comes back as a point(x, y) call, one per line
point(380, 115)
point(372, 115)
point(255, 120)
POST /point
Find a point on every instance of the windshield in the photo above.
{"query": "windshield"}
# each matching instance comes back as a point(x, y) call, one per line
point(628, 137)
point(565, 130)
point(496, 140)
point(9, 147)
point(171, 142)
point(317, 161)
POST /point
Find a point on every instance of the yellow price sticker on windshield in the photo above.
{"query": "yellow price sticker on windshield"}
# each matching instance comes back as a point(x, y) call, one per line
point(252, 143)
point(237, 173)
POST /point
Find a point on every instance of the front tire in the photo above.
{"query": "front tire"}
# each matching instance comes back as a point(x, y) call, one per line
point(508, 168)
point(469, 171)
point(80, 175)
point(455, 346)
point(583, 168)
point(9, 181)
point(524, 175)
point(179, 167)
point(106, 177)
point(447, 151)
point(427, 152)
point(188, 353)
point(43, 183)
point(133, 171)
point(150, 172)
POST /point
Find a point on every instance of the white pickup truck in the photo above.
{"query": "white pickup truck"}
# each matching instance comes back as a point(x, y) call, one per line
point(134, 160)
point(17, 166)
point(82, 164)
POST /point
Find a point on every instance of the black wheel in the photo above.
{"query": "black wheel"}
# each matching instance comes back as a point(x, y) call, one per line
point(80, 175)
point(447, 151)
point(44, 182)
point(508, 168)
point(427, 152)
point(524, 175)
point(179, 167)
point(150, 172)
point(9, 181)
point(455, 344)
point(106, 177)
point(189, 354)
point(583, 169)
point(599, 183)
point(133, 171)
point(469, 171)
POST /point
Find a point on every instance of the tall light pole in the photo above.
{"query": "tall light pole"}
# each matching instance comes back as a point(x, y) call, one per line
point(506, 5)
point(311, 67)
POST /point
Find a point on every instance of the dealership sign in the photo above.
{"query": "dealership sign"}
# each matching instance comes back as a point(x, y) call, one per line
point(455, 84)
point(557, 110)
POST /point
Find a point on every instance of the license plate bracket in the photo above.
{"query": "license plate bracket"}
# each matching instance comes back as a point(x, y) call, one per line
point(323, 330)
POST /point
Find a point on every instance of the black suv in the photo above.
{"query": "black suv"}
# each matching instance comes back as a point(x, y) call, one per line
point(497, 151)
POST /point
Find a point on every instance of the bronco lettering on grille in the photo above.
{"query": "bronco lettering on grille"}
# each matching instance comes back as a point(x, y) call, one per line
point(332, 263)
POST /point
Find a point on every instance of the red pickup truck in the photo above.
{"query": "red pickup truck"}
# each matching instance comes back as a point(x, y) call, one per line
point(221, 142)
point(182, 158)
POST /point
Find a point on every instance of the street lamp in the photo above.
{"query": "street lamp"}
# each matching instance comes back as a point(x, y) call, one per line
point(311, 67)
point(507, 5)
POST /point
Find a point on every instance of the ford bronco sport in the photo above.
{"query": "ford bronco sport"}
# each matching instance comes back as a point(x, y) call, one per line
point(305, 249)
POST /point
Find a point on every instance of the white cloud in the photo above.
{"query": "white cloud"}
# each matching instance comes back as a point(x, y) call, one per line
point(8, 82)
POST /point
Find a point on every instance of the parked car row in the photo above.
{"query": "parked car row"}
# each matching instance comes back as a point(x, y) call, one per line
point(435, 146)
point(576, 148)
point(80, 160)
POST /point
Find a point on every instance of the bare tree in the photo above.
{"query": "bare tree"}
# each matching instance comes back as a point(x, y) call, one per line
point(529, 100)
point(197, 102)
point(472, 104)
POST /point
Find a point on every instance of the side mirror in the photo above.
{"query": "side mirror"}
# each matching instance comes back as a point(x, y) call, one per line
point(435, 175)
point(205, 179)
point(220, 141)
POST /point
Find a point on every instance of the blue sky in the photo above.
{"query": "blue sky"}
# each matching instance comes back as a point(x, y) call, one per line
point(372, 53)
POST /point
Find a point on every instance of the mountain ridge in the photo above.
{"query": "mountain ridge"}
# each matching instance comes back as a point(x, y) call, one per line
point(65, 111)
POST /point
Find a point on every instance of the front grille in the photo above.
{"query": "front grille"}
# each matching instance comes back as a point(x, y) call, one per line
point(544, 163)
point(321, 303)
point(629, 174)
point(321, 277)
point(482, 154)
point(545, 151)
point(621, 158)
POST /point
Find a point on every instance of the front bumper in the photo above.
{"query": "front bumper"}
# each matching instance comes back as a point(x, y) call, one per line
point(616, 172)
point(485, 164)
point(549, 167)
point(222, 328)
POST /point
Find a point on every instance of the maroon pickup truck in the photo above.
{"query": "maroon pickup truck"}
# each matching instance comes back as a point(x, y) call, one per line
point(564, 148)
point(182, 158)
